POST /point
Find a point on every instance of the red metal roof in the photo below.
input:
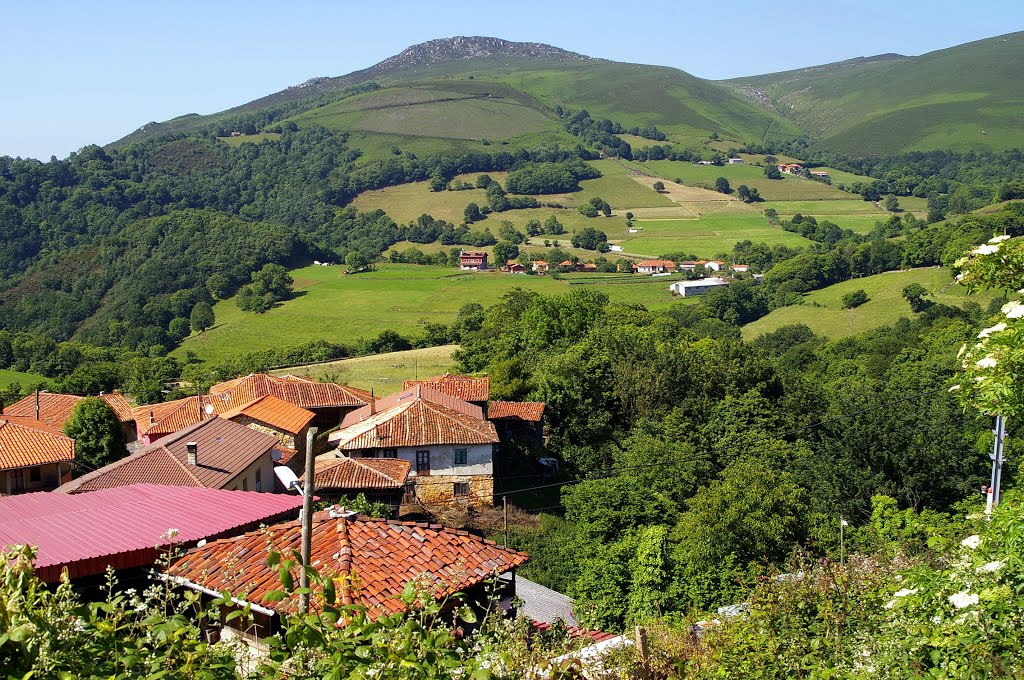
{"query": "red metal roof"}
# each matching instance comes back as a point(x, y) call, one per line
point(120, 527)
point(382, 555)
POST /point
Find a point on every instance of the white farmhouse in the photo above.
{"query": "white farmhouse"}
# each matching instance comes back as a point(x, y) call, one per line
point(697, 287)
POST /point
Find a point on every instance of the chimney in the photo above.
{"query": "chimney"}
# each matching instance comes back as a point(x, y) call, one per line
point(152, 420)
point(373, 403)
point(193, 452)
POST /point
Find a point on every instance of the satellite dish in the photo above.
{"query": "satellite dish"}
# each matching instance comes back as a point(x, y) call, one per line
point(287, 477)
point(209, 409)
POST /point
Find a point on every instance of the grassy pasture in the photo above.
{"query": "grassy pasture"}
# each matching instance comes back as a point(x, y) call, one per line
point(861, 224)
point(8, 378)
point(383, 373)
point(710, 235)
point(787, 188)
point(332, 306)
point(823, 312)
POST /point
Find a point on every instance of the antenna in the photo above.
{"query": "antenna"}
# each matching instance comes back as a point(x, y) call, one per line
point(287, 478)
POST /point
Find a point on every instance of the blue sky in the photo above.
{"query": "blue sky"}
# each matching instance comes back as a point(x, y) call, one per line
point(90, 72)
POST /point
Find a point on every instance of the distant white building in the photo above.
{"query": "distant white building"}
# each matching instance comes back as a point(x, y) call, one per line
point(697, 287)
point(715, 265)
point(736, 161)
point(615, 249)
point(740, 267)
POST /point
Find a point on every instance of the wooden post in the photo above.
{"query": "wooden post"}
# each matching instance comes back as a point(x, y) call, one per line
point(641, 648)
point(307, 518)
point(504, 503)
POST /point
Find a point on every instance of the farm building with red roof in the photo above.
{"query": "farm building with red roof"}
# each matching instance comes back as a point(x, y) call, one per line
point(371, 561)
point(216, 454)
point(33, 455)
point(55, 409)
point(127, 527)
point(380, 480)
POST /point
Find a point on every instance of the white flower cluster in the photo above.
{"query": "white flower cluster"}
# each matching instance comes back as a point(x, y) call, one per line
point(964, 599)
point(971, 542)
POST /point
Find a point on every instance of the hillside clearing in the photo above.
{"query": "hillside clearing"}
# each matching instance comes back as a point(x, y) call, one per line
point(823, 312)
point(382, 373)
point(346, 308)
point(25, 380)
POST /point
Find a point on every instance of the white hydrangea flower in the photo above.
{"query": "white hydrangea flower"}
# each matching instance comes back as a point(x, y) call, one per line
point(991, 566)
point(903, 592)
point(961, 600)
point(954, 388)
point(999, 239)
point(986, 250)
point(1001, 326)
point(1013, 310)
point(971, 542)
point(989, 361)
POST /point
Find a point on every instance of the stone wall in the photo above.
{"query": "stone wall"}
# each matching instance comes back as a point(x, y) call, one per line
point(287, 439)
point(438, 489)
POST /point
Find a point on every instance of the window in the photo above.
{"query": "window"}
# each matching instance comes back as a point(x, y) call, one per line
point(245, 483)
point(259, 479)
point(460, 489)
point(423, 462)
point(389, 453)
point(460, 456)
point(35, 475)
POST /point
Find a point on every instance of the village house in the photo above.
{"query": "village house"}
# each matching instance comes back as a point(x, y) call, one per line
point(55, 409)
point(654, 266)
point(736, 161)
point(380, 480)
point(739, 267)
point(514, 267)
point(126, 527)
point(216, 454)
point(687, 265)
point(371, 561)
point(589, 267)
point(790, 168)
point(33, 455)
point(697, 287)
point(473, 260)
point(518, 421)
point(540, 266)
point(714, 265)
point(449, 444)
point(273, 416)
point(820, 174)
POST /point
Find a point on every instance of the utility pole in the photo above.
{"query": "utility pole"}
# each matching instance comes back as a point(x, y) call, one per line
point(997, 465)
point(504, 503)
point(842, 540)
point(307, 519)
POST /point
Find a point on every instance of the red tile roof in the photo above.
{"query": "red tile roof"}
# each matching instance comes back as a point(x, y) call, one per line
point(302, 392)
point(668, 264)
point(294, 389)
point(26, 442)
point(120, 527)
point(55, 409)
point(575, 631)
point(225, 450)
point(411, 393)
point(381, 555)
point(532, 411)
point(463, 387)
point(413, 421)
point(274, 412)
point(359, 473)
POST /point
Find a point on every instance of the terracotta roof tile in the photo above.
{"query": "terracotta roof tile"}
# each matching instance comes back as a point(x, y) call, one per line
point(381, 555)
point(55, 409)
point(225, 450)
point(414, 421)
point(274, 412)
point(532, 411)
point(463, 387)
point(295, 390)
point(26, 442)
point(359, 473)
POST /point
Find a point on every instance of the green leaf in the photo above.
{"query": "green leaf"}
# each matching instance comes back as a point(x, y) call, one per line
point(275, 596)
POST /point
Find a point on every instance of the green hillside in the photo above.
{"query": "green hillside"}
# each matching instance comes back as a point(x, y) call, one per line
point(504, 94)
point(823, 311)
point(963, 97)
